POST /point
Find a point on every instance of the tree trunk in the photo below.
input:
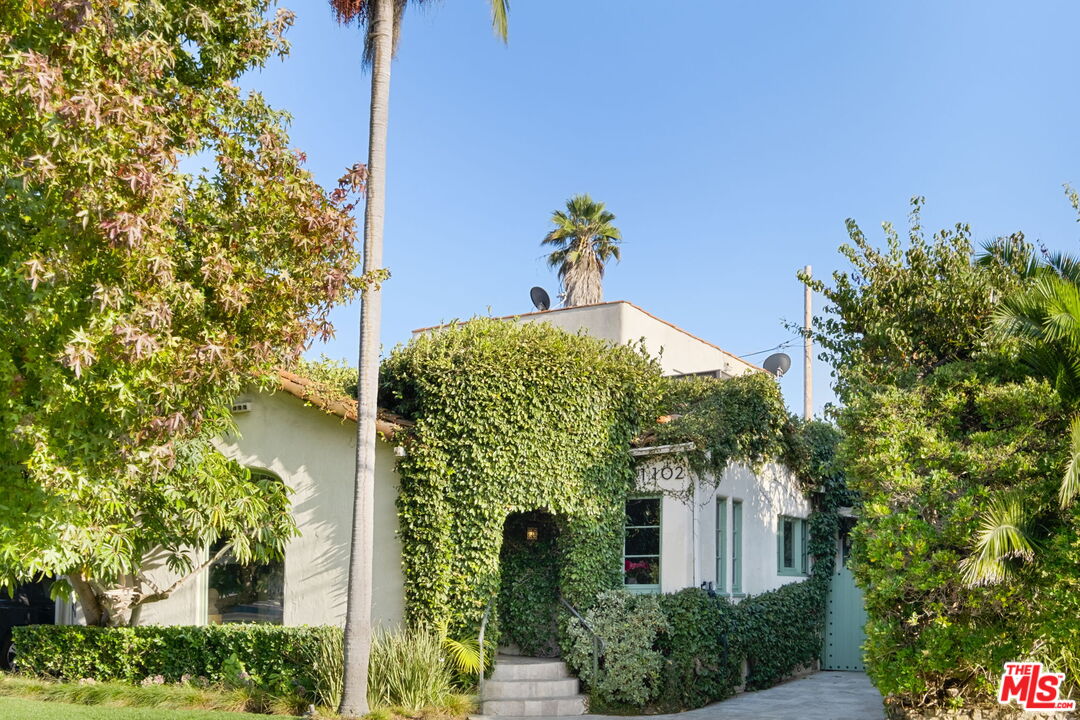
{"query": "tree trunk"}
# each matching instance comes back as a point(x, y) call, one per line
point(358, 610)
point(582, 284)
point(93, 614)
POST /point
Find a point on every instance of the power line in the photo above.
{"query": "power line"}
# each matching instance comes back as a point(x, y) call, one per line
point(781, 346)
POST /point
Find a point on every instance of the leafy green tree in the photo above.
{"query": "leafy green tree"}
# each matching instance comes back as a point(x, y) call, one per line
point(584, 241)
point(901, 311)
point(381, 20)
point(929, 461)
point(1042, 320)
point(945, 430)
point(139, 299)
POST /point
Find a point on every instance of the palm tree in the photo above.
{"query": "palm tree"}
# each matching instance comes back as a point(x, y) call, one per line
point(1043, 319)
point(584, 240)
point(382, 21)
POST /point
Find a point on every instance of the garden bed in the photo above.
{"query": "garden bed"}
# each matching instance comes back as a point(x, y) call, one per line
point(896, 711)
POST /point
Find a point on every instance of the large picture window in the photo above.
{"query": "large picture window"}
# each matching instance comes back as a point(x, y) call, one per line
point(249, 592)
point(253, 592)
point(641, 550)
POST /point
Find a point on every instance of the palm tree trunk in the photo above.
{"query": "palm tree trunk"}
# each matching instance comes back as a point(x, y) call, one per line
point(358, 610)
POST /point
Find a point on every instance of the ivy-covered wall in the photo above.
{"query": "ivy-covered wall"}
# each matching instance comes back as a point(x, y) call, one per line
point(509, 419)
point(514, 418)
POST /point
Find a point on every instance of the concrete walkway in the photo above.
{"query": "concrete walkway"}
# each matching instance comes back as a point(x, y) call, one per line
point(821, 696)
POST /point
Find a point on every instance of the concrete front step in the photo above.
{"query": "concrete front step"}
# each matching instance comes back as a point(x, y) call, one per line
point(526, 668)
point(530, 689)
point(535, 707)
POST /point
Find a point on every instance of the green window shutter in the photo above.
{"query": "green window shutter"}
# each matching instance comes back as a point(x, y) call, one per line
point(736, 546)
point(780, 544)
point(804, 532)
point(721, 543)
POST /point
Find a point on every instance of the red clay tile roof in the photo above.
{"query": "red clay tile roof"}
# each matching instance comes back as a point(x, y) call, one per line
point(387, 423)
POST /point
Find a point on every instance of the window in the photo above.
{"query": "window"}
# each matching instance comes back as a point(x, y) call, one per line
point(736, 546)
point(721, 544)
point(250, 592)
point(791, 557)
point(238, 593)
point(641, 551)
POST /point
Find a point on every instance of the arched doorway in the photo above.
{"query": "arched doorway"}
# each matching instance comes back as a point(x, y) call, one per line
point(529, 585)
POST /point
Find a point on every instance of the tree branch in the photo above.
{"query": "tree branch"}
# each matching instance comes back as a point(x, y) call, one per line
point(163, 594)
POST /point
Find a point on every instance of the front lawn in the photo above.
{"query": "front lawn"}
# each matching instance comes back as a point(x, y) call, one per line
point(19, 709)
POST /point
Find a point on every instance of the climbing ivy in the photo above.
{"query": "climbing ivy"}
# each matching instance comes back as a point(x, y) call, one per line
point(744, 420)
point(511, 418)
point(514, 418)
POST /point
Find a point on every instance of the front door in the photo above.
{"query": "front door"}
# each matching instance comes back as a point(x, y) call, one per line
point(845, 616)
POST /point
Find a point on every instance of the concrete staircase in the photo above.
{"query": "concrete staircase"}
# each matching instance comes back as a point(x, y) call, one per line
point(531, 687)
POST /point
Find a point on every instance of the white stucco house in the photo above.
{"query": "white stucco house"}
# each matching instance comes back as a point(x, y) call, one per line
point(744, 534)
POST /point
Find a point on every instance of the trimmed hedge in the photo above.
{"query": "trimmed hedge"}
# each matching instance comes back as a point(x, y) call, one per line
point(701, 643)
point(275, 658)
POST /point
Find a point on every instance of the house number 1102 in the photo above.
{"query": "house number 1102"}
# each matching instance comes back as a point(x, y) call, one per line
point(661, 472)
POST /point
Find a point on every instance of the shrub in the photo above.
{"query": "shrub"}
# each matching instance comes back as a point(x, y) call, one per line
point(407, 670)
point(684, 650)
point(703, 649)
point(276, 659)
point(929, 460)
point(629, 626)
point(781, 630)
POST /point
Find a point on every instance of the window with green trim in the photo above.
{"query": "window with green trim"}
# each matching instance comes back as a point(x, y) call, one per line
point(791, 536)
point(736, 546)
point(721, 544)
point(641, 549)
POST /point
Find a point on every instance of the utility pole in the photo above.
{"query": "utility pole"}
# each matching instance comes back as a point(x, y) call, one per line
point(808, 352)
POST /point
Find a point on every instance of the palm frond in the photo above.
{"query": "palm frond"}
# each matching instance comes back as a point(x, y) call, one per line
point(1070, 484)
point(1065, 265)
point(1010, 252)
point(1002, 537)
point(463, 655)
point(500, 18)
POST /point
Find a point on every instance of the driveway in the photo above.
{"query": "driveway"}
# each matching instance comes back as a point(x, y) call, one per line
point(821, 696)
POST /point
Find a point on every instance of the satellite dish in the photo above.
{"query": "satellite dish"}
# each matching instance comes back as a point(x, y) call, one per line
point(777, 364)
point(540, 298)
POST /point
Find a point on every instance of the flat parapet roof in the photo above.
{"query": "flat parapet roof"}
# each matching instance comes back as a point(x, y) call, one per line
point(538, 315)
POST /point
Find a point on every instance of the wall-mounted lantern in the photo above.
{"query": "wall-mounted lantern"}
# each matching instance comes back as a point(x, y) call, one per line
point(532, 533)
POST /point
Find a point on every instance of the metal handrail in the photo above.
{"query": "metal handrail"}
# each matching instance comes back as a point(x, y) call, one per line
point(480, 642)
point(598, 642)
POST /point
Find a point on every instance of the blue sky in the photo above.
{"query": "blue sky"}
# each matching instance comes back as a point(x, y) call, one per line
point(731, 140)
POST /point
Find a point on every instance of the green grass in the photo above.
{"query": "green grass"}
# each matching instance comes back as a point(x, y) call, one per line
point(154, 697)
point(19, 709)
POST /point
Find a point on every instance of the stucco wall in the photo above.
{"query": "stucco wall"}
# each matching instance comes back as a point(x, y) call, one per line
point(622, 322)
point(313, 453)
point(688, 525)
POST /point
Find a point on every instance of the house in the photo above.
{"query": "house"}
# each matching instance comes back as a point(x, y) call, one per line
point(744, 534)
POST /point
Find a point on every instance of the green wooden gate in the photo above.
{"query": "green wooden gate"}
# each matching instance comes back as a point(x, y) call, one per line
point(844, 615)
